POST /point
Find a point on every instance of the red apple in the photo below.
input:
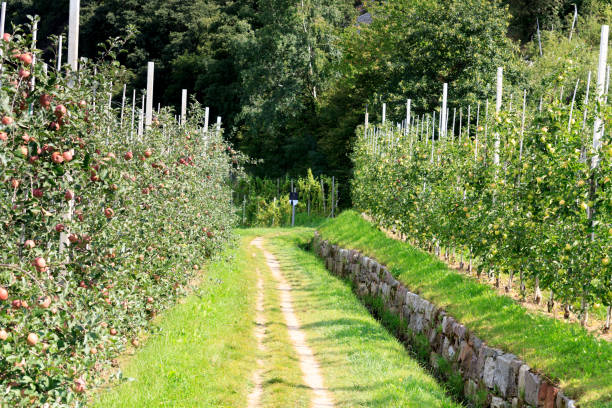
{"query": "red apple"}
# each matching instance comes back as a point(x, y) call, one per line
point(60, 110)
point(60, 228)
point(68, 195)
point(3, 334)
point(24, 73)
point(45, 101)
point(32, 339)
point(7, 120)
point(37, 192)
point(82, 104)
point(128, 156)
point(7, 37)
point(148, 153)
point(3, 293)
point(26, 58)
point(79, 385)
point(57, 157)
point(23, 150)
point(29, 244)
point(73, 238)
point(67, 155)
point(40, 262)
point(3, 136)
point(44, 302)
point(109, 213)
point(113, 331)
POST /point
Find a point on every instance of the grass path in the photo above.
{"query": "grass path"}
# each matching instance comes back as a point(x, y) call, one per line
point(232, 343)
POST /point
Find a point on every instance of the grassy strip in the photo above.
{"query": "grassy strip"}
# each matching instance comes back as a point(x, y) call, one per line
point(205, 351)
point(282, 377)
point(581, 363)
point(363, 365)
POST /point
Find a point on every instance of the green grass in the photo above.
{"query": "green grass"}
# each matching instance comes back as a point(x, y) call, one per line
point(205, 350)
point(563, 351)
point(362, 364)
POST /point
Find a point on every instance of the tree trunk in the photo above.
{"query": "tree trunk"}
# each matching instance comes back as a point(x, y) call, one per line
point(607, 326)
point(584, 311)
point(551, 301)
point(537, 297)
point(509, 286)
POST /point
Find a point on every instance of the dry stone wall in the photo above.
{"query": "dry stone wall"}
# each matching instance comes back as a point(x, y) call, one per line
point(491, 377)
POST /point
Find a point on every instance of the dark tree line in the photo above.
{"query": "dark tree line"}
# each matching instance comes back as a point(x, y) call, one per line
point(291, 79)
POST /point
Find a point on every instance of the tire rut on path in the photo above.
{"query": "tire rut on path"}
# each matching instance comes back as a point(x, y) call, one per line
point(308, 363)
point(254, 398)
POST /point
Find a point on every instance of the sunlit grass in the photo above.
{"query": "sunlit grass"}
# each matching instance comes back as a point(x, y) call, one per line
point(563, 351)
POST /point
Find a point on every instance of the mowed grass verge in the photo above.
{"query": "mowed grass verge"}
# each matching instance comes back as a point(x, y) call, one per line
point(362, 364)
point(581, 363)
point(205, 351)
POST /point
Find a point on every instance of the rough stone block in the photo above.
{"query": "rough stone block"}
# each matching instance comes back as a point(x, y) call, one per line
point(483, 354)
point(488, 374)
point(532, 387)
point(523, 370)
point(447, 325)
point(497, 402)
point(429, 310)
point(505, 376)
point(459, 330)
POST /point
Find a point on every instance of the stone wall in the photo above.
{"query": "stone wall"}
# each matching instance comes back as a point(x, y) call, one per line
point(491, 377)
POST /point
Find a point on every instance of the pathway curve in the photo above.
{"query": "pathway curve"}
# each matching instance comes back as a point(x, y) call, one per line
point(308, 363)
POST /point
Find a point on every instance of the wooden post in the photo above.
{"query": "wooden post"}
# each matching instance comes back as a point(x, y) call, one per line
point(73, 34)
point(150, 78)
point(183, 107)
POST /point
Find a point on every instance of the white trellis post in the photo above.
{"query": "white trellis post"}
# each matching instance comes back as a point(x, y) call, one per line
point(2, 23)
point(601, 79)
point(73, 34)
point(598, 130)
point(149, 106)
point(444, 114)
point(539, 39)
point(133, 113)
point(408, 107)
point(498, 103)
point(206, 116)
point(60, 45)
point(573, 21)
point(141, 118)
point(184, 106)
point(384, 113)
point(123, 104)
point(366, 122)
point(218, 125)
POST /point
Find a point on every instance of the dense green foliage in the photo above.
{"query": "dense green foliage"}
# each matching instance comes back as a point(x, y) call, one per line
point(265, 202)
point(564, 352)
point(136, 216)
point(543, 210)
point(292, 79)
